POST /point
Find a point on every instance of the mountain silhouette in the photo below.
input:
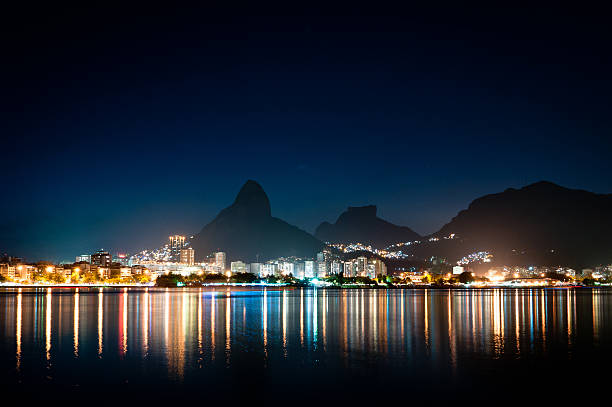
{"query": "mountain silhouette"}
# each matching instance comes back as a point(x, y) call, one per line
point(247, 231)
point(360, 224)
point(539, 223)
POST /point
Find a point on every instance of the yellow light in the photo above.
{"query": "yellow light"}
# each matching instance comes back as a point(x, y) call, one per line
point(77, 269)
point(228, 274)
point(49, 269)
point(19, 267)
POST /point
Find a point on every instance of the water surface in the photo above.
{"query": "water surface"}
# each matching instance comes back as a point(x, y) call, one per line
point(290, 346)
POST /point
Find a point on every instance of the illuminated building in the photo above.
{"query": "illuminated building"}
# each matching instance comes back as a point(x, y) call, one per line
point(349, 269)
point(187, 256)
point(309, 269)
point(24, 272)
point(177, 243)
point(125, 272)
point(101, 258)
point(298, 270)
point(121, 258)
point(268, 269)
point(238, 267)
point(254, 268)
point(220, 259)
point(7, 271)
point(457, 270)
point(104, 272)
point(83, 258)
point(335, 267)
point(322, 269)
point(376, 268)
point(287, 268)
point(361, 265)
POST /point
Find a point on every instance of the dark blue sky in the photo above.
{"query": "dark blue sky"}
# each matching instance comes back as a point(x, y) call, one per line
point(122, 126)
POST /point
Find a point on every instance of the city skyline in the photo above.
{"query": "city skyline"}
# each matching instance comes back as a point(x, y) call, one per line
point(178, 241)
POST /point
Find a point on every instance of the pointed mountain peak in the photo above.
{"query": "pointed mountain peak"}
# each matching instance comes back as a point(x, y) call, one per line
point(253, 197)
point(247, 231)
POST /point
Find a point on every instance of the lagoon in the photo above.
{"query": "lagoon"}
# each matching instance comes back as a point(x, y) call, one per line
point(295, 345)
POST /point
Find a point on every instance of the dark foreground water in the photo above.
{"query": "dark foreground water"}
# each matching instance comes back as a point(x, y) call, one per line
point(298, 346)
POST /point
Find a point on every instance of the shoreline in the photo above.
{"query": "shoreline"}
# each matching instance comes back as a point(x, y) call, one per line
point(280, 285)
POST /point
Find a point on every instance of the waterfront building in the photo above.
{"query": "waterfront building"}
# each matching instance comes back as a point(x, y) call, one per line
point(125, 272)
point(322, 269)
point(298, 270)
point(187, 256)
point(23, 272)
point(101, 258)
point(177, 242)
point(254, 268)
point(458, 269)
point(287, 268)
point(238, 267)
point(376, 268)
point(309, 269)
point(360, 266)
point(42, 268)
point(348, 269)
point(220, 261)
point(335, 267)
point(7, 271)
point(104, 272)
point(137, 270)
point(416, 277)
point(157, 269)
point(268, 269)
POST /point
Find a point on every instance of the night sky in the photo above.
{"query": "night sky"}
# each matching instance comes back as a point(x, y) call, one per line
point(122, 126)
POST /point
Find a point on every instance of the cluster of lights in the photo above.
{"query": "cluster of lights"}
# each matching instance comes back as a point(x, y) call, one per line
point(391, 252)
point(352, 247)
point(478, 257)
point(156, 256)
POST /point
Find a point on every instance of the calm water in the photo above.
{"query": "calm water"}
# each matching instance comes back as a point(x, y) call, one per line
point(289, 346)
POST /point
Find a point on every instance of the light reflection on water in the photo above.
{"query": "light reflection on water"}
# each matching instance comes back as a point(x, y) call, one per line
point(151, 336)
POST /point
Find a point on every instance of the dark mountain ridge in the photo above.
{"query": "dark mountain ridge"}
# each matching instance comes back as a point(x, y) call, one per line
point(543, 222)
point(360, 224)
point(247, 231)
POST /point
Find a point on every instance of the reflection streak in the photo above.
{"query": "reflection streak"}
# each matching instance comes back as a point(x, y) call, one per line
point(100, 320)
point(76, 323)
point(48, 324)
point(18, 330)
